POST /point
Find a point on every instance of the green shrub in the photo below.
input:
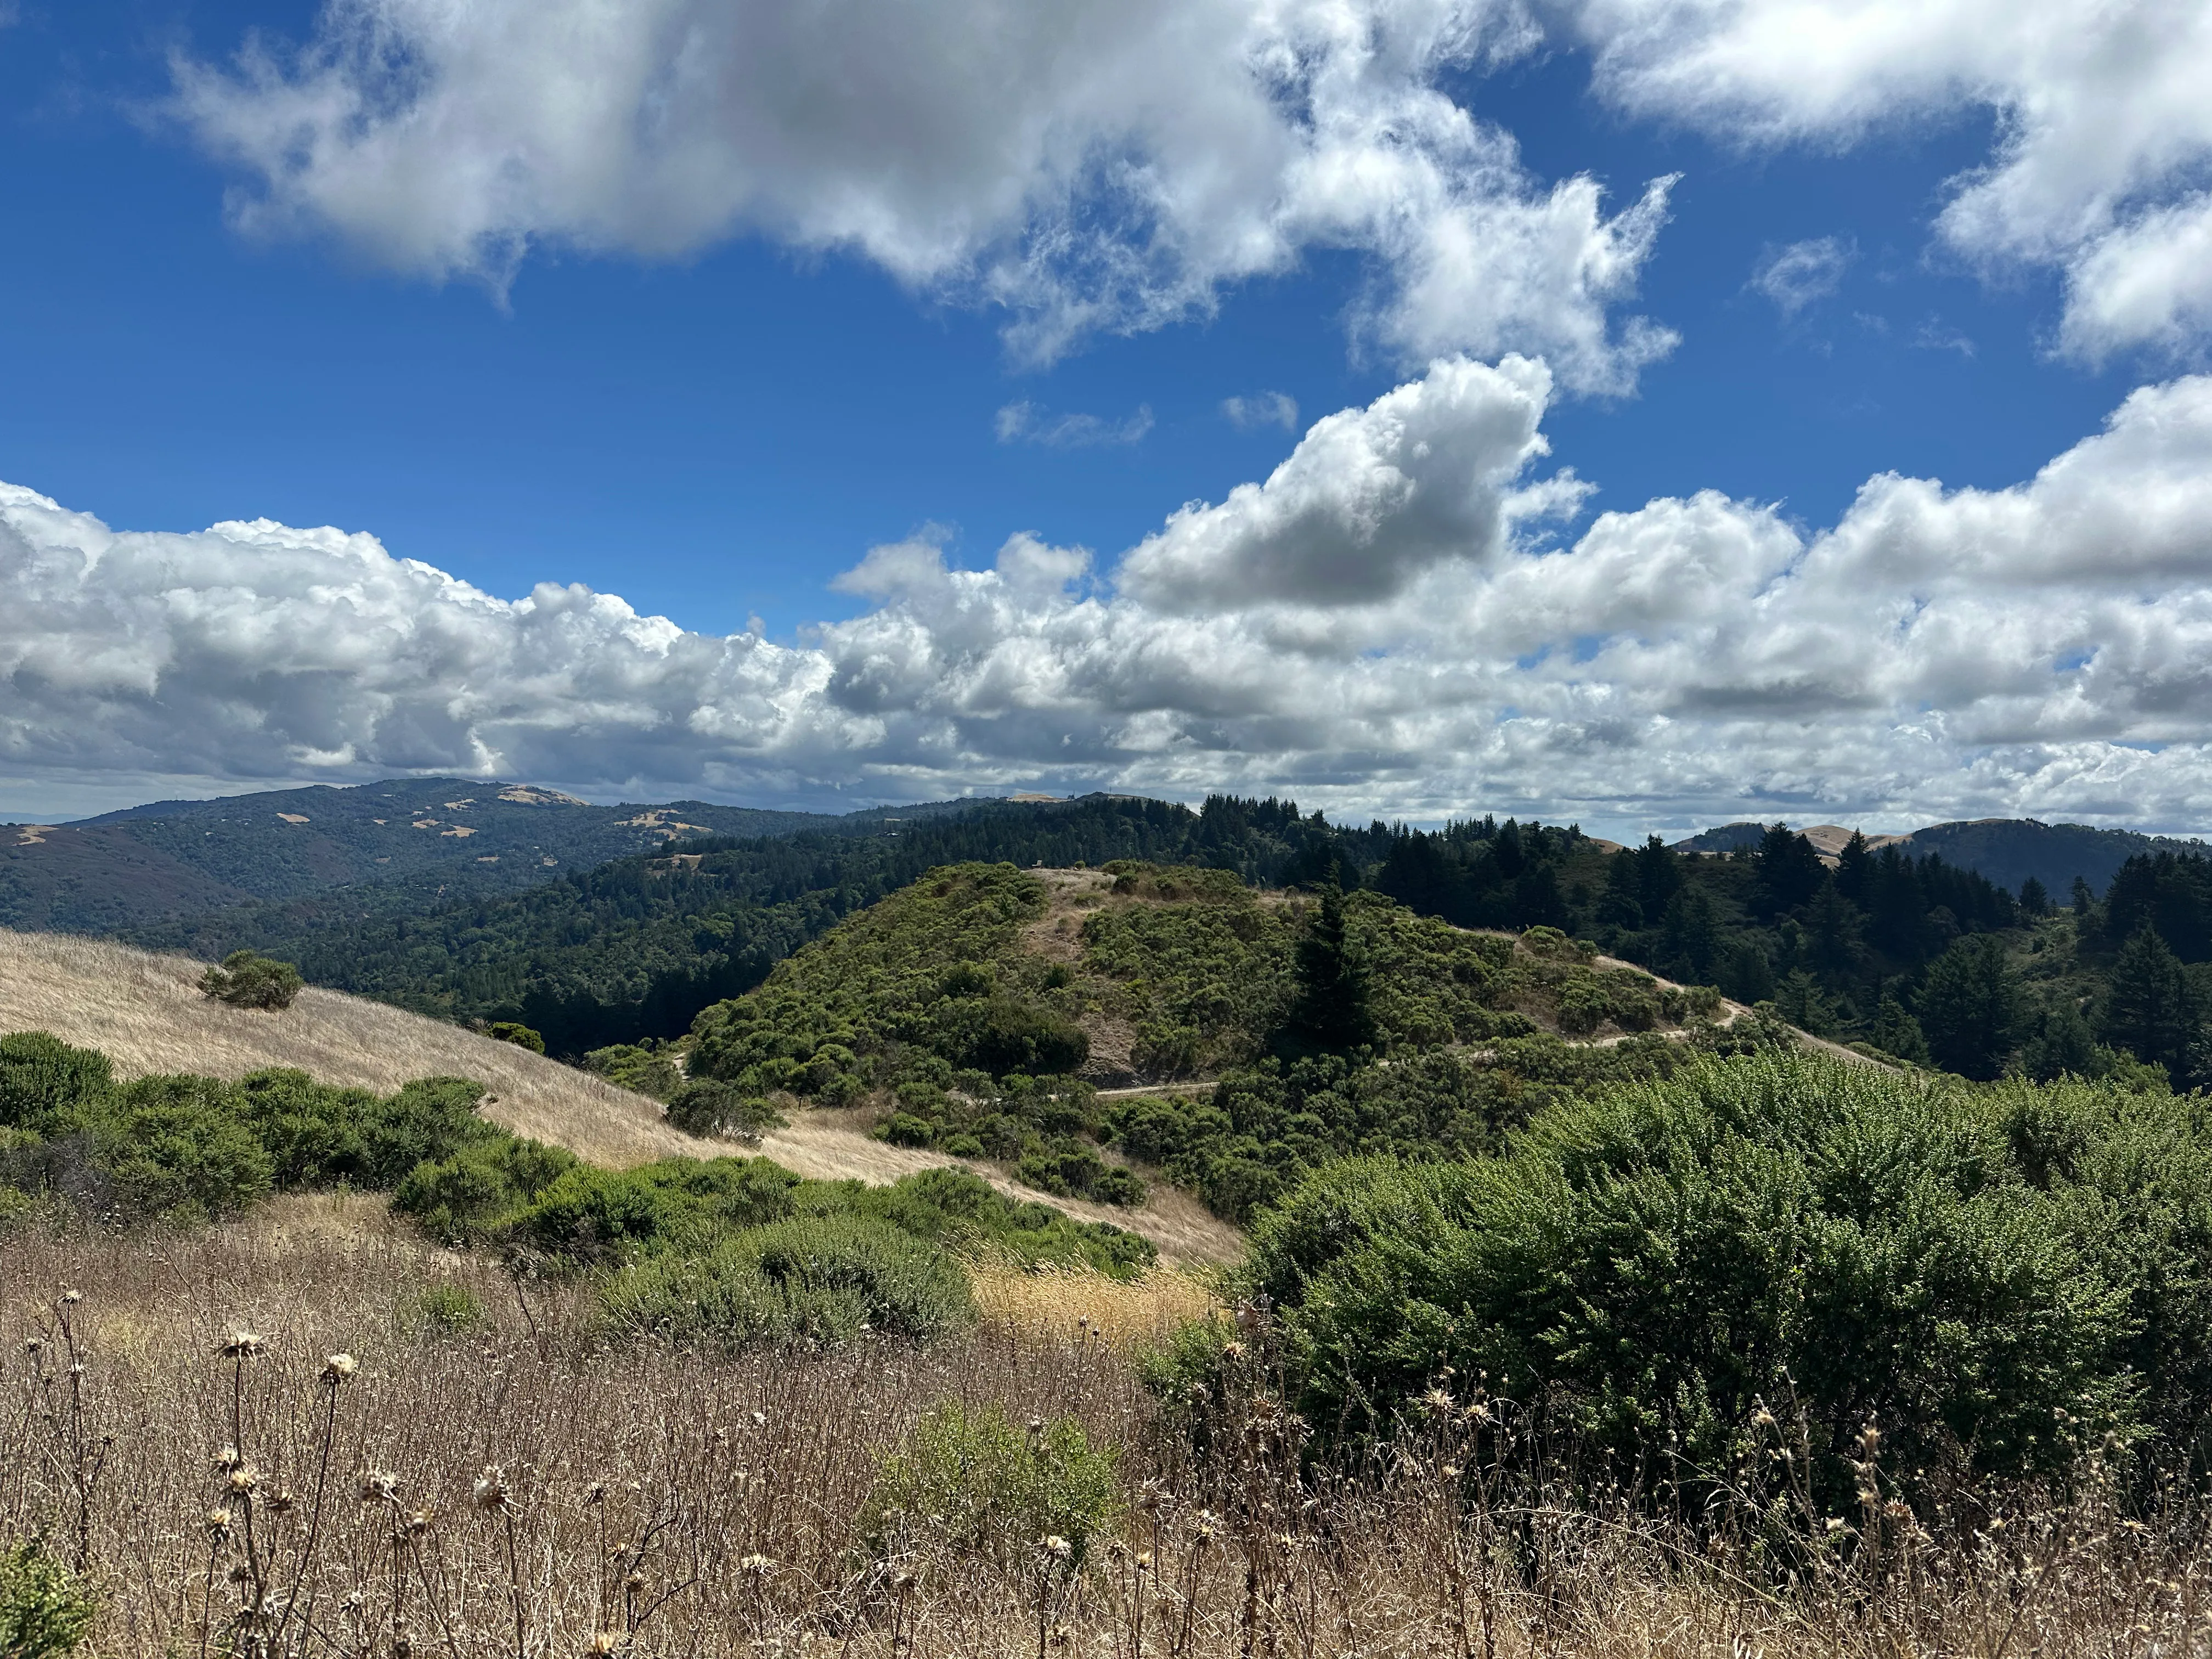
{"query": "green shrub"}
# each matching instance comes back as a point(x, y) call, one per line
point(45, 1611)
point(964, 1211)
point(247, 978)
point(508, 1030)
point(178, 1147)
point(1985, 1272)
point(462, 1197)
point(971, 1478)
point(41, 1076)
point(822, 1279)
point(677, 1204)
point(627, 1067)
point(446, 1309)
point(708, 1106)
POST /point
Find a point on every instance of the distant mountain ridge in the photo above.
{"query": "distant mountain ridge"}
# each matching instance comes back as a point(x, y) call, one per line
point(394, 846)
point(2007, 851)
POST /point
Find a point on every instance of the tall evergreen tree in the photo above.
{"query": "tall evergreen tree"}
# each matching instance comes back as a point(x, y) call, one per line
point(1969, 1007)
point(1787, 870)
point(1332, 1007)
point(2152, 1008)
point(2035, 897)
point(1851, 868)
point(1896, 1032)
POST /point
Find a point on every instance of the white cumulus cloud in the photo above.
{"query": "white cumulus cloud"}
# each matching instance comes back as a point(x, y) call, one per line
point(2105, 124)
point(1088, 165)
point(1371, 627)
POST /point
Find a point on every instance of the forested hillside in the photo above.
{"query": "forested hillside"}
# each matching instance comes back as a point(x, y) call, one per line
point(636, 947)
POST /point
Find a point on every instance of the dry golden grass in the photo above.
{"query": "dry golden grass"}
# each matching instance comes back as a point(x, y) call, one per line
point(1064, 1304)
point(144, 1011)
point(146, 1014)
point(650, 1502)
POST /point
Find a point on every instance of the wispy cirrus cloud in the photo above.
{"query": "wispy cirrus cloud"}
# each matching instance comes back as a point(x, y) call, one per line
point(1795, 276)
point(1261, 409)
point(1026, 422)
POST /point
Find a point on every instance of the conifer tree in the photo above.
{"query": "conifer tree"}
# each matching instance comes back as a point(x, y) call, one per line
point(1969, 1007)
point(1332, 1008)
point(1896, 1032)
point(2152, 1011)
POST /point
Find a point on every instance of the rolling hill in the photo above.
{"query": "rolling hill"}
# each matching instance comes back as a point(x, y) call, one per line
point(2007, 851)
point(143, 1010)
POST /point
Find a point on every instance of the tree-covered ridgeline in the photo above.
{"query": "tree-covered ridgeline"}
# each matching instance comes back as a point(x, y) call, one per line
point(1874, 945)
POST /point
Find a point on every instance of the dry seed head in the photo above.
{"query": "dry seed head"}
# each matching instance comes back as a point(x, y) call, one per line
point(282, 1501)
point(1057, 1547)
point(70, 1299)
point(492, 1495)
point(378, 1488)
point(419, 1522)
point(339, 1368)
point(604, 1642)
point(218, 1523)
point(243, 1345)
point(634, 1579)
point(242, 1478)
point(757, 1566)
point(228, 1458)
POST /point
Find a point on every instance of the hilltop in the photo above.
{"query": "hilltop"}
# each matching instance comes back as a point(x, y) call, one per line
point(1066, 1022)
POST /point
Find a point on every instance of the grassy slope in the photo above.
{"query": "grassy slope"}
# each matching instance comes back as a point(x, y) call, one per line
point(143, 1011)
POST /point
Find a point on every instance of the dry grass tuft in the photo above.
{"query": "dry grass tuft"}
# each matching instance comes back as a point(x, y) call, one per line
point(1064, 1304)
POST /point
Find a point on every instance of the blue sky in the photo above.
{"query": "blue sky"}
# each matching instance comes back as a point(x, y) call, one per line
point(715, 432)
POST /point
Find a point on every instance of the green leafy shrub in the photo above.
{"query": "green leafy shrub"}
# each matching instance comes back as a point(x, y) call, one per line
point(45, 1610)
point(41, 1076)
point(508, 1030)
point(970, 1478)
point(446, 1309)
point(177, 1147)
point(628, 1067)
point(247, 978)
point(1993, 1274)
point(465, 1195)
point(708, 1107)
point(823, 1279)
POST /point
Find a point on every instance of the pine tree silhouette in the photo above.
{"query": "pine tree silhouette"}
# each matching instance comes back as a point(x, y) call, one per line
point(1332, 1011)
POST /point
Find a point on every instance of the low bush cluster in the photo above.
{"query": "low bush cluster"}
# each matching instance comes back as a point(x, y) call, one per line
point(2001, 1277)
point(823, 1279)
point(187, 1147)
point(192, 1148)
point(247, 978)
point(970, 1481)
point(628, 1066)
point(1250, 1140)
